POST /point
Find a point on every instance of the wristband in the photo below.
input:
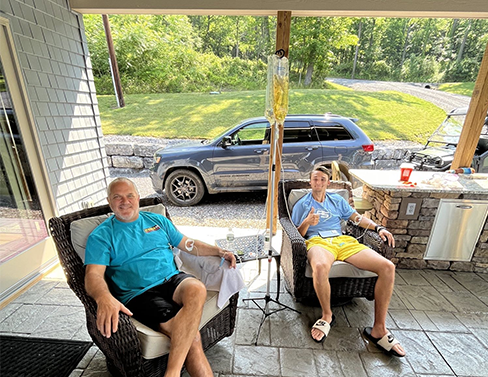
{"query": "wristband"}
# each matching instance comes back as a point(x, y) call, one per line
point(378, 228)
point(222, 259)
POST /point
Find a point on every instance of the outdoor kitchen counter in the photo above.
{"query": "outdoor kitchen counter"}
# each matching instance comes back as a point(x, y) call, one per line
point(408, 211)
point(426, 181)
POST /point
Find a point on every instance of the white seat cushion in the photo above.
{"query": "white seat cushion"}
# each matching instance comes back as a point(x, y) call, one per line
point(154, 344)
point(341, 269)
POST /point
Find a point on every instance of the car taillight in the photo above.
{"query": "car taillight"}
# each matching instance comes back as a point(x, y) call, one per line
point(368, 147)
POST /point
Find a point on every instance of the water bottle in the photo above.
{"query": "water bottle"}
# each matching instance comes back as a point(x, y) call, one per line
point(266, 240)
point(230, 236)
point(462, 171)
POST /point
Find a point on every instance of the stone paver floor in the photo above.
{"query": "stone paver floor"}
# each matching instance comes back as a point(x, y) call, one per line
point(441, 319)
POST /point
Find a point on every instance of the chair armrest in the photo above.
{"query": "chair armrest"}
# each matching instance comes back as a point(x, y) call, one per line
point(293, 258)
point(296, 240)
point(370, 239)
point(122, 349)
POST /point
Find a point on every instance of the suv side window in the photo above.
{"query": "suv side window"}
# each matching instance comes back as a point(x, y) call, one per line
point(298, 132)
point(332, 132)
point(251, 134)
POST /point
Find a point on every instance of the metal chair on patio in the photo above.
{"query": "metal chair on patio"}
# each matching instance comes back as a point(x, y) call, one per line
point(134, 350)
point(346, 281)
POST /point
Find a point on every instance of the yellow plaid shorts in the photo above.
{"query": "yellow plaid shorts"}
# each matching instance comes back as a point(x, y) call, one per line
point(342, 247)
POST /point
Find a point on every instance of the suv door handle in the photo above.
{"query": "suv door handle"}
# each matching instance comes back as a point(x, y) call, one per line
point(312, 148)
point(259, 151)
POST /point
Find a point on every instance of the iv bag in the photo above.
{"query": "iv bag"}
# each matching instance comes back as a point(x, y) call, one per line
point(280, 88)
point(277, 89)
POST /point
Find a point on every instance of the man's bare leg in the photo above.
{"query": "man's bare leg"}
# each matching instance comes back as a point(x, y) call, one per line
point(370, 260)
point(196, 362)
point(186, 345)
point(321, 261)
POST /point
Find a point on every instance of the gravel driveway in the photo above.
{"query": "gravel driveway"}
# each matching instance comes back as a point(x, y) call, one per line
point(444, 100)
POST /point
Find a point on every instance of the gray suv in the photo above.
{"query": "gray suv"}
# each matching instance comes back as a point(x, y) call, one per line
point(238, 159)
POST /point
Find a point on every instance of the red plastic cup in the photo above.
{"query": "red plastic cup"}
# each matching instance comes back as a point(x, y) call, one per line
point(405, 171)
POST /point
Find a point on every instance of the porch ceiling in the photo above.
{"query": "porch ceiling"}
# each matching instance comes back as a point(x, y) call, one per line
point(349, 8)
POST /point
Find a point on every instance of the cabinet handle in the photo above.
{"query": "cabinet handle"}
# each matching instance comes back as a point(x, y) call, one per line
point(464, 206)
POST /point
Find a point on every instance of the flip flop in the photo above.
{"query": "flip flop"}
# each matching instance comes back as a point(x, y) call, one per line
point(385, 344)
point(323, 326)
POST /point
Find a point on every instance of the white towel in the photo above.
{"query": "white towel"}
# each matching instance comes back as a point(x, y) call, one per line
point(227, 281)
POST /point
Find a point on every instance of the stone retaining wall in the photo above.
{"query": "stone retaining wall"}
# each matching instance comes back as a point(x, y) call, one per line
point(411, 236)
point(130, 155)
point(140, 156)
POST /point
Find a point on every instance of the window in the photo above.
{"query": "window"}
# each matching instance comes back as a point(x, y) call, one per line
point(298, 135)
point(21, 220)
point(251, 135)
point(298, 132)
point(333, 132)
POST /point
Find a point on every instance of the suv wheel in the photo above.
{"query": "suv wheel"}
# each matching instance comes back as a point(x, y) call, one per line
point(184, 188)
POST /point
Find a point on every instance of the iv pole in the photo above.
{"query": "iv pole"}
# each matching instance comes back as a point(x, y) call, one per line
point(267, 298)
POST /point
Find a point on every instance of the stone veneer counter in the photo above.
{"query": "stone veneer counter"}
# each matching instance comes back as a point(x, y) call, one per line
point(387, 194)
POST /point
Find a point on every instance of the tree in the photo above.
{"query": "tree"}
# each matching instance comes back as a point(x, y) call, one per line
point(313, 40)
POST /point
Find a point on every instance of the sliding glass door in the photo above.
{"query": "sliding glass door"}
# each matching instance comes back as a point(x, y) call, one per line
point(25, 248)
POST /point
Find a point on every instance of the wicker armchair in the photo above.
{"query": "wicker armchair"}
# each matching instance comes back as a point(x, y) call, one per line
point(123, 349)
point(294, 254)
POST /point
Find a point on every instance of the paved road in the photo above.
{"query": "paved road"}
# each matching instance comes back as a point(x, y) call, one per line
point(444, 100)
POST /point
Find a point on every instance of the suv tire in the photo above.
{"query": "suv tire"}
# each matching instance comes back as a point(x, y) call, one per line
point(184, 188)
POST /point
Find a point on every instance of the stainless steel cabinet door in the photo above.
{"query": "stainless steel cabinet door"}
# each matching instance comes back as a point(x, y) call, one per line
point(457, 228)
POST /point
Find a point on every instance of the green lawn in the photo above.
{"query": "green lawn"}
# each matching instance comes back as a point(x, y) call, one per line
point(464, 88)
point(382, 115)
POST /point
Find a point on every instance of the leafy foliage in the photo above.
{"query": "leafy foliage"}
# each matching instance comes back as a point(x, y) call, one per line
point(157, 54)
point(167, 53)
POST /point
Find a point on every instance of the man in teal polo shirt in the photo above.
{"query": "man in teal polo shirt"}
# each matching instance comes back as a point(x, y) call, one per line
point(130, 268)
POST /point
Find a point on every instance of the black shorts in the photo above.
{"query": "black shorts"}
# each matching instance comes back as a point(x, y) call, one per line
point(156, 305)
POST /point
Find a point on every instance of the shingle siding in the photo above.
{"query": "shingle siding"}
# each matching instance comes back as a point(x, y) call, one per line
point(53, 55)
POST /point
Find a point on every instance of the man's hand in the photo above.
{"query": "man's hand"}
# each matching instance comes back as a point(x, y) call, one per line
point(385, 235)
point(312, 218)
point(229, 256)
point(108, 308)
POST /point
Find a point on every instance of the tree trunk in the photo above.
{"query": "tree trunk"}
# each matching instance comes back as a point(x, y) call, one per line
point(454, 26)
point(463, 43)
point(237, 37)
point(308, 76)
point(266, 37)
point(426, 38)
point(357, 50)
point(371, 35)
point(405, 44)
